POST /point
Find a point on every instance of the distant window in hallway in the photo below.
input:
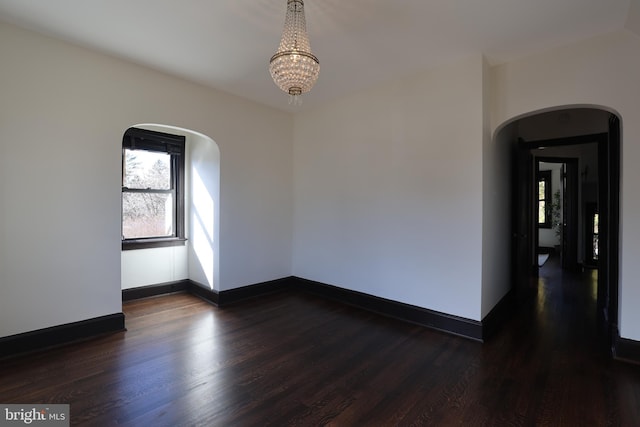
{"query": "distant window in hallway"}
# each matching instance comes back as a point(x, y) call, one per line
point(544, 199)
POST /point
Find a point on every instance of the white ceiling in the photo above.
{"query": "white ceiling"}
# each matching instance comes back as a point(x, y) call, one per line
point(226, 44)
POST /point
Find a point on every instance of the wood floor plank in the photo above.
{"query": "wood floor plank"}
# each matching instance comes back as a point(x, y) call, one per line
point(296, 359)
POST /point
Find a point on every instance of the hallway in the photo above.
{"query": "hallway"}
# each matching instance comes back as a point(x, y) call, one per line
point(564, 310)
point(566, 358)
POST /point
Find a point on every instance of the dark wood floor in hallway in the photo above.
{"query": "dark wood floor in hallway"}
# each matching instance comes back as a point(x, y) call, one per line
point(296, 359)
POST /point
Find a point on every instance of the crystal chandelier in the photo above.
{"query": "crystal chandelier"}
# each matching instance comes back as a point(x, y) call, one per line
point(294, 68)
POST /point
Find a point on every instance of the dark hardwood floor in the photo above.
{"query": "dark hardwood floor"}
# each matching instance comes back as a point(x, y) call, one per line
point(296, 359)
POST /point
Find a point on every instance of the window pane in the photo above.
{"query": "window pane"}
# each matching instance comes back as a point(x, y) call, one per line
point(147, 169)
point(541, 190)
point(147, 215)
point(542, 213)
point(595, 223)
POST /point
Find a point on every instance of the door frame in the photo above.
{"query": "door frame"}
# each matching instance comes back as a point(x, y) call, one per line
point(570, 209)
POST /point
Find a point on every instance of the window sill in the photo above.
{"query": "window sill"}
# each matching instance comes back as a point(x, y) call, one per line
point(163, 242)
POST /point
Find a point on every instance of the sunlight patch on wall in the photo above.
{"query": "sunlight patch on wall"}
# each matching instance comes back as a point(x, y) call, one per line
point(203, 215)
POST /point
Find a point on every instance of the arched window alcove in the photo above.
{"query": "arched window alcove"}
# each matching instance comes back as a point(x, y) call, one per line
point(198, 260)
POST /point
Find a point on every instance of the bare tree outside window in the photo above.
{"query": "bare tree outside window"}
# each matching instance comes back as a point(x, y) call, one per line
point(147, 212)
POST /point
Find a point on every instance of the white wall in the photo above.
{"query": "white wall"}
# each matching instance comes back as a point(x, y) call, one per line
point(388, 190)
point(143, 267)
point(496, 207)
point(203, 206)
point(602, 71)
point(63, 112)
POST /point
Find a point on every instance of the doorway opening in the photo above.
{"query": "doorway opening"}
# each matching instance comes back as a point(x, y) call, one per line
point(565, 210)
point(559, 199)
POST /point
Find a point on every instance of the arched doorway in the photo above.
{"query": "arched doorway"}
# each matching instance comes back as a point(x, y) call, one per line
point(585, 141)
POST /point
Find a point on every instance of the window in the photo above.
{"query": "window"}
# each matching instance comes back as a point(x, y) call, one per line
point(592, 229)
point(152, 189)
point(595, 236)
point(544, 199)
